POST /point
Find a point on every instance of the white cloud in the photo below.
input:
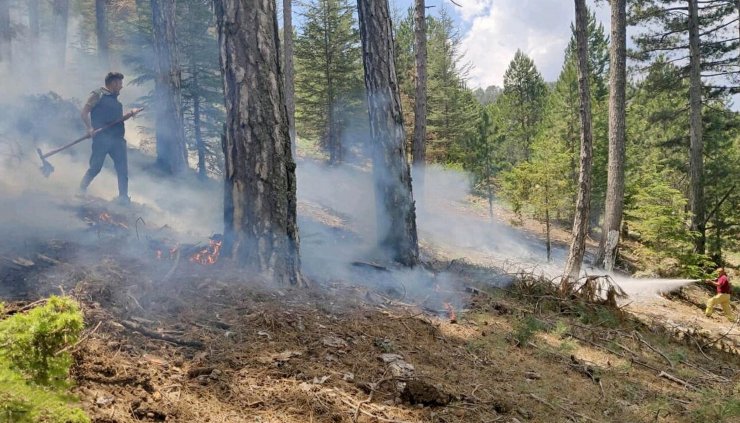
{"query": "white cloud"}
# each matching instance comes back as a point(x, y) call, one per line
point(540, 28)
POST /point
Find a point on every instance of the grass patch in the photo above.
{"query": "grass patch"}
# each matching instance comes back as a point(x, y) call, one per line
point(34, 368)
point(718, 407)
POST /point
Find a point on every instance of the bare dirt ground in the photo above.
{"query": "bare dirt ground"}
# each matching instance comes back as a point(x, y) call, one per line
point(171, 339)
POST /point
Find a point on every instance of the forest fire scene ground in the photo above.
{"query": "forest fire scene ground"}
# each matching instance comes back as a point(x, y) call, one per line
point(178, 340)
point(370, 211)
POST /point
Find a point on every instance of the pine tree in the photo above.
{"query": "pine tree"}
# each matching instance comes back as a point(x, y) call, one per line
point(60, 9)
point(452, 109)
point(606, 254)
point(420, 98)
point(396, 212)
point(261, 231)
point(523, 101)
point(699, 31)
point(101, 32)
point(6, 34)
point(202, 86)
point(328, 80)
point(580, 222)
point(171, 151)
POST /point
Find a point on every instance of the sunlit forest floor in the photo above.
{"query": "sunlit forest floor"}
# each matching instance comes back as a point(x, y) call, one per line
point(174, 338)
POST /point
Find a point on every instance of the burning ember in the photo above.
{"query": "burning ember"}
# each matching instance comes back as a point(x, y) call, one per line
point(208, 255)
point(167, 249)
point(106, 218)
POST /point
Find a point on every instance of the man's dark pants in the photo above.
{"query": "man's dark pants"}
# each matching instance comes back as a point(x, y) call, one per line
point(116, 149)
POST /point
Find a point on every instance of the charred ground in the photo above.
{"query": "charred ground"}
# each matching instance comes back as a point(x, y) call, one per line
point(172, 339)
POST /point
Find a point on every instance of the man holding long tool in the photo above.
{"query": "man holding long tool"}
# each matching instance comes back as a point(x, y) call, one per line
point(102, 109)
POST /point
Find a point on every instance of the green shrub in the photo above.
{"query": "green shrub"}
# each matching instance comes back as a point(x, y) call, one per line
point(524, 330)
point(32, 340)
point(33, 368)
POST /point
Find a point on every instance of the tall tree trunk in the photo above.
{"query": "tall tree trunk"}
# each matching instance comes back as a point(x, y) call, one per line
point(289, 77)
point(101, 32)
point(617, 114)
point(61, 17)
point(6, 33)
point(199, 144)
point(396, 214)
point(420, 103)
point(696, 149)
point(332, 140)
point(33, 20)
point(170, 133)
point(261, 231)
point(580, 221)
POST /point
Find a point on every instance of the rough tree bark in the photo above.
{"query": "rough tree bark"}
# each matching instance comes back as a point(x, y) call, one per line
point(61, 17)
point(420, 104)
point(101, 32)
point(288, 62)
point(197, 124)
point(170, 132)
point(6, 33)
point(580, 221)
point(607, 253)
point(396, 214)
point(260, 231)
point(696, 149)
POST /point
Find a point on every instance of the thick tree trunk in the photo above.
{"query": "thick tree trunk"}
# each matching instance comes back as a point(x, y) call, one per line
point(696, 149)
point(101, 32)
point(6, 33)
point(170, 132)
point(396, 214)
point(580, 221)
point(199, 144)
point(420, 103)
point(260, 186)
point(288, 62)
point(617, 114)
point(61, 17)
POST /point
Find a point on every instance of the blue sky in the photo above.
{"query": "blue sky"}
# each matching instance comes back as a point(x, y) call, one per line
point(492, 31)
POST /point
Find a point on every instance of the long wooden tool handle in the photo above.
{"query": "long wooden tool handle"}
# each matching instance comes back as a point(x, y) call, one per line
point(83, 138)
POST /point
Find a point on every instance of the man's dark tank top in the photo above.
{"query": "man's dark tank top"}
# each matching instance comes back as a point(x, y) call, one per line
point(108, 110)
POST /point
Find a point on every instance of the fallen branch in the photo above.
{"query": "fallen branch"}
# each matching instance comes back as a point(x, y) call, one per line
point(677, 380)
point(382, 419)
point(567, 410)
point(655, 350)
point(72, 347)
point(156, 335)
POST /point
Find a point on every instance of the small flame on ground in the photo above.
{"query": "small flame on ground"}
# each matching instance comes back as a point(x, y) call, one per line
point(106, 218)
point(208, 255)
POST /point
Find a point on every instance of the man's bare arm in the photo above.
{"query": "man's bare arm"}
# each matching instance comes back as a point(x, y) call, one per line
point(85, 115)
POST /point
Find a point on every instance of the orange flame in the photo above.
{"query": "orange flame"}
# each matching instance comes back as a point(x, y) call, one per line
point(208, 255)
point(105, 217)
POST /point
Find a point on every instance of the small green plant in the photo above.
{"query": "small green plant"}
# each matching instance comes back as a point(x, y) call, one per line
point(524, 330)
point(597, 315)
point(34, 366)
point(560, 329)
